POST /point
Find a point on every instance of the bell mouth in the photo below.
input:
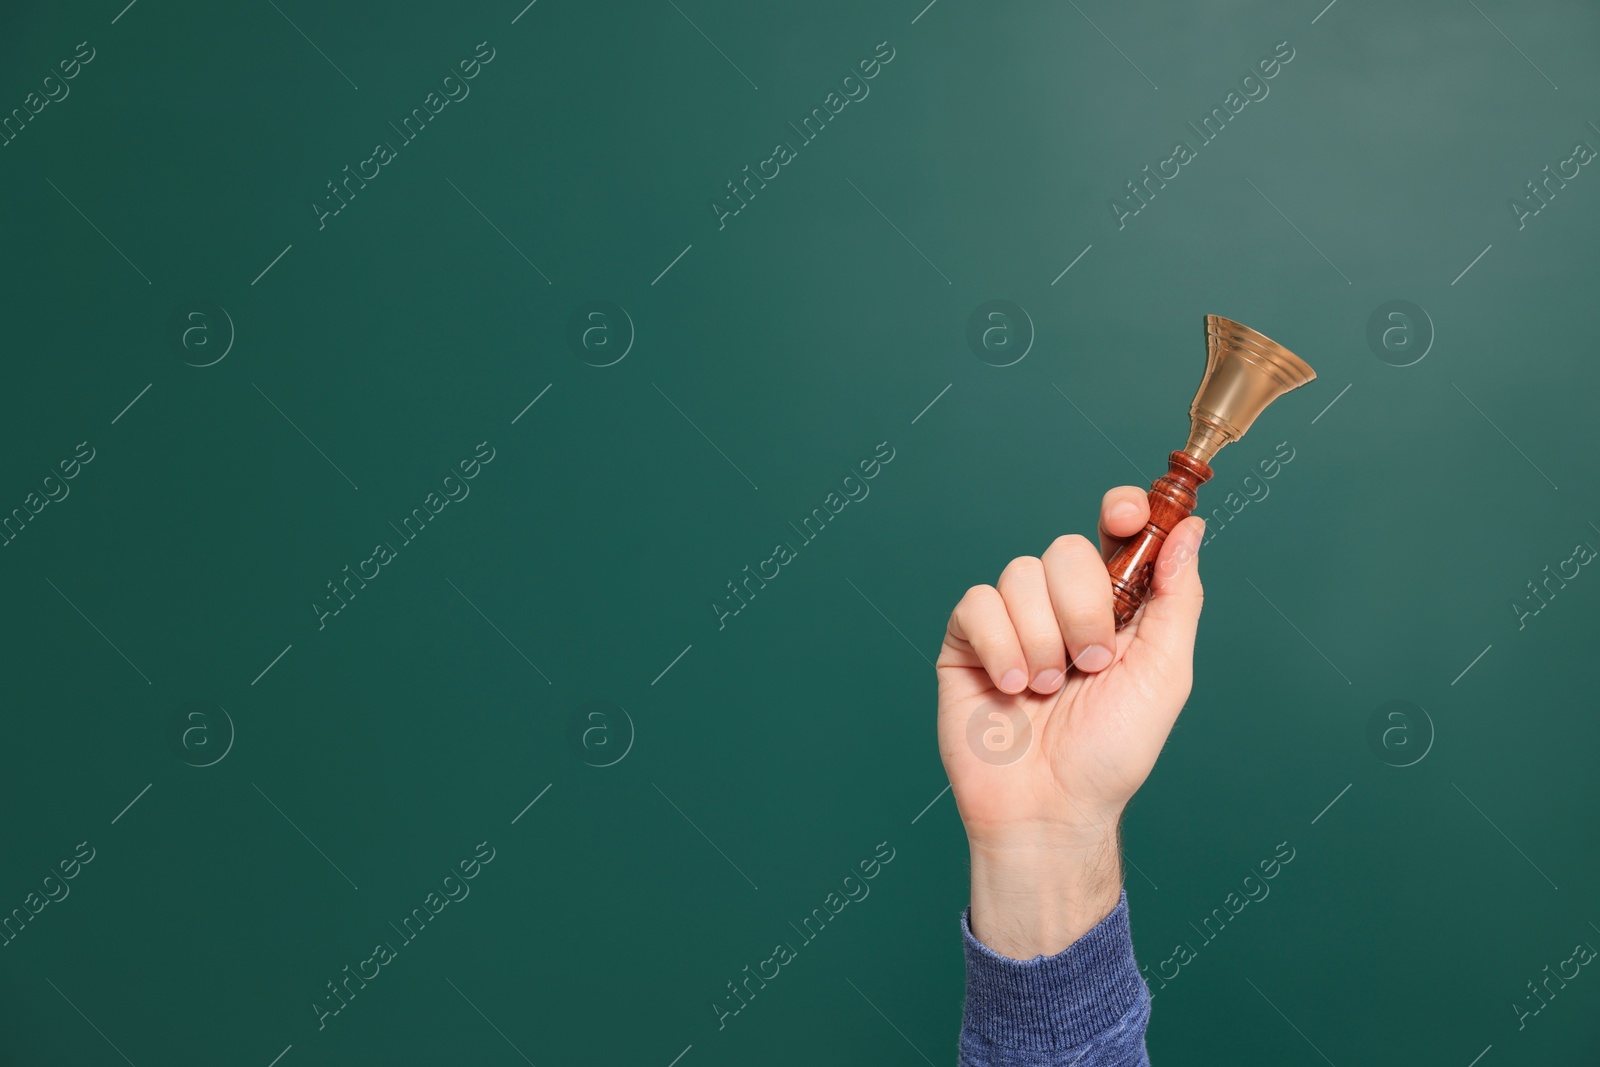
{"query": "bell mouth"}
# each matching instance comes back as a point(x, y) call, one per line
point(1245, 371)
point(1225, 335)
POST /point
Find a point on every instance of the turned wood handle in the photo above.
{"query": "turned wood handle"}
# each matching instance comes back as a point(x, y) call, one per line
point(1172, 498)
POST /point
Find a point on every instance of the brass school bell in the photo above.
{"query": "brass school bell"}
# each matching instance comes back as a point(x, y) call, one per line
point(1245, 371)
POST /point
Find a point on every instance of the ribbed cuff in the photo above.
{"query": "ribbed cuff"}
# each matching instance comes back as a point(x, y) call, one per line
point(1053, 1003)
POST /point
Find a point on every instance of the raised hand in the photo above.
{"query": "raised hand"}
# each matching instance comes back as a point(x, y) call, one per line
point(1050, 720)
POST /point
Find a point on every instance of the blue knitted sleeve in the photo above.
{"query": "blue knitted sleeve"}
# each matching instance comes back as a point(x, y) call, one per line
point(1086, 1006)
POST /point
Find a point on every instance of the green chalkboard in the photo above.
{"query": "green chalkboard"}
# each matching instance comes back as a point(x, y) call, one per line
point(399, 399)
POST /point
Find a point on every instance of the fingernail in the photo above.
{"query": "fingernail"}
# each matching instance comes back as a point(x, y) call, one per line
point(1124, 510)
point(1093, 658)
point(1013, 681)
point(1047, 681)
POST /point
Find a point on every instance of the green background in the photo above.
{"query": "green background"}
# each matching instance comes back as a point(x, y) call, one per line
point(776, 352)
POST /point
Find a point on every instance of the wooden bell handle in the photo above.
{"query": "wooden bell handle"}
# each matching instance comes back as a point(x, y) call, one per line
point(1172, 499)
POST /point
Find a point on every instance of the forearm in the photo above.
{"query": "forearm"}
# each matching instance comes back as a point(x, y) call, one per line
point(1032, 901)
point(1051, 977)
point(1042, 771)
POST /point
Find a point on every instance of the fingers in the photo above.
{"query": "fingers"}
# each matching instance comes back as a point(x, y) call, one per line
point(1123, 513)
point(1013, 629)
point(981, 620)
point(1027, 599)
point(1080, 593)
point(1172, 614)
point(1054, 613)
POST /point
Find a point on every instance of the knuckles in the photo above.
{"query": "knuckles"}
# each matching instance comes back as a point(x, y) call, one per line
point(1021, 569)
point(978, 593)
point(1069, 545)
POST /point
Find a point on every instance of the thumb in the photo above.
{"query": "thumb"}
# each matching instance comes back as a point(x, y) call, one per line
point(1172, 614)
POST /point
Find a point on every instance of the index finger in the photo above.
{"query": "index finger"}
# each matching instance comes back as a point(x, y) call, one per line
point(1123, 513)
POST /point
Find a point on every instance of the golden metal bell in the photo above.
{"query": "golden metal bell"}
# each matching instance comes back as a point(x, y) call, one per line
point(1245, 371)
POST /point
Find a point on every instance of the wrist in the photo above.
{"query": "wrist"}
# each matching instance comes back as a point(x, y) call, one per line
point(1036, 894)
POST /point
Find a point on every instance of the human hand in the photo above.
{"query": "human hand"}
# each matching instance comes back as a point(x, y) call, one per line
point(1043, 752)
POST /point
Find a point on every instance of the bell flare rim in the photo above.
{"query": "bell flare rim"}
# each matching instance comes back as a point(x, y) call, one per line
point(1222, 331)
